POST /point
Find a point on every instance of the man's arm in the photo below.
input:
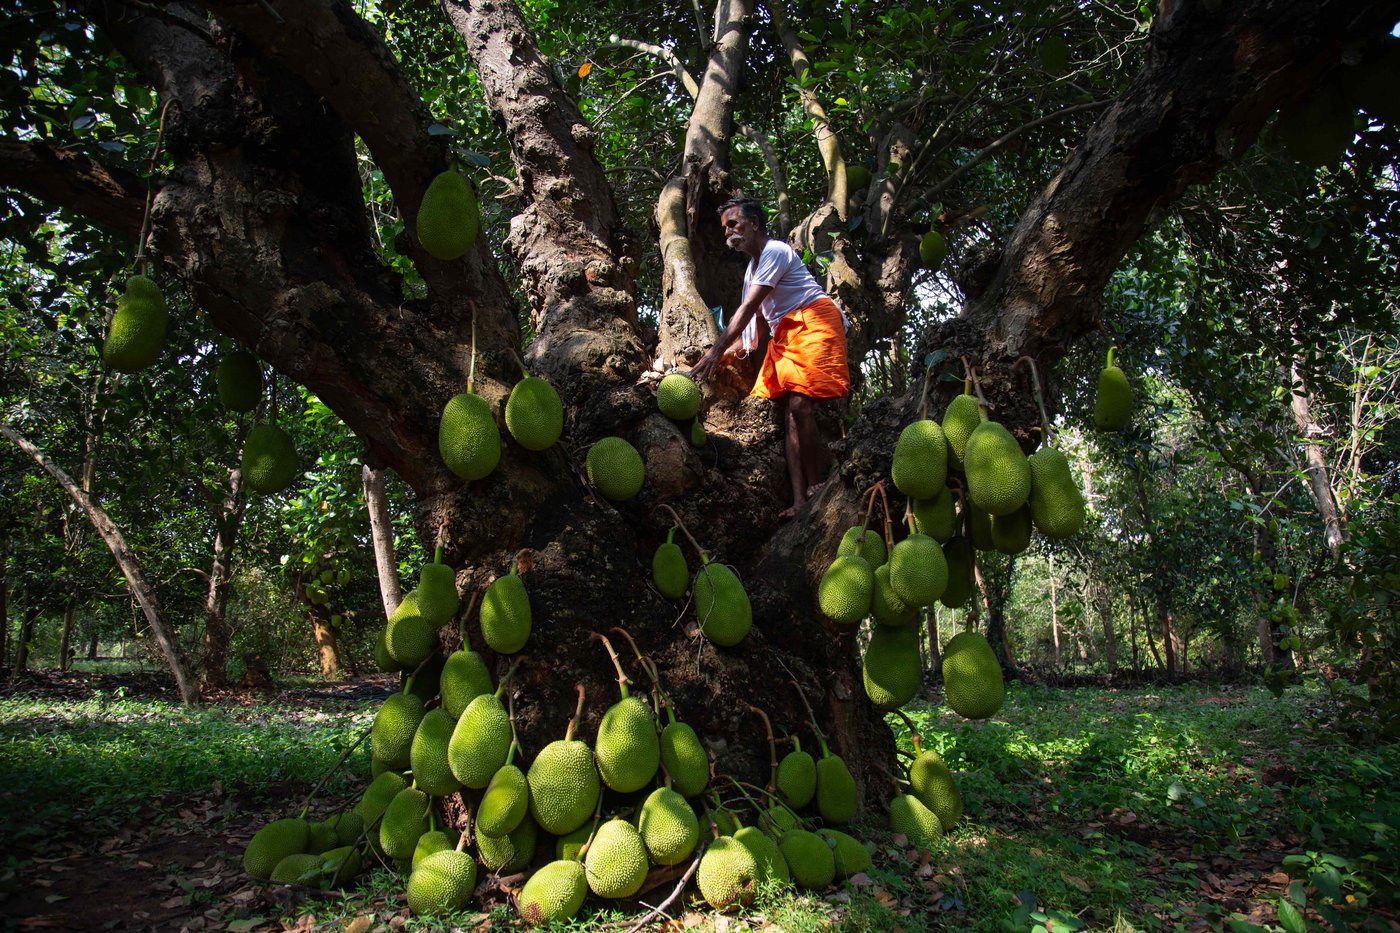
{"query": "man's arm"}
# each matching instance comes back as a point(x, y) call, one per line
point(703, 370)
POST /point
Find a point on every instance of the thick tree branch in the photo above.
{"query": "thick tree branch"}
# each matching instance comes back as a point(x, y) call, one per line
point(110, 197)
point(828, 143)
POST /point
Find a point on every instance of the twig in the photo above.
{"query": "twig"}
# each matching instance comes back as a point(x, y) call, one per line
point(772, 749)
point(675, 893)
point(334, 768)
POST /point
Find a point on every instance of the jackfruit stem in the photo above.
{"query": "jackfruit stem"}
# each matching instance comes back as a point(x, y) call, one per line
point(671, 535)
point(462, 621)
point(471, 364)
point(514, 739)
point(437, 553)
point(685, 531)
point(461, 842)
point(578, 712)
point(982, 405)
point(593, 830)
point(151, 191)
point(1109, 362)
point(772, 748)
point(1039, 398)
point(622, 679)
point(913, 730)
point(333, 769)
point(811, 716)
point(510, 672)
point(740, 787)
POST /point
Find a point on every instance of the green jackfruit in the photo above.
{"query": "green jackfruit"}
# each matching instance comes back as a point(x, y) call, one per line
point(505, 804)
point(568, 845)
point(377, 796)
point(959, 421)
point(932, 250)
point(348, 827)
point(836, 791)
point(669, 570)
point(1011, 534)
point(480, 741)
point(274, 842)
point(809, 858)
point(916, 821)
point(678, 397)
point(239, 380)
point(437, 594)
point(892, 668)
point(534, 414)
point(766, 855)
point(628, 751)
point(511, 852)
point(933, 784)
point(320, 837)
point(780, 818)
point(564, 786)
point(391, 736)
point(442, 883)
point(464, 678)
point(339, 865)
point(845, 590)
point(863, 542)
point(383, 660)
point(505, 614)
point(998, 476)
point(972, 679)
point(885, 604)
point(615, 469)
point(616, 862)
point(721, 605)
point(1057, 505)
point(727, 873)
point(920, 465)
point(918, 571)
point(935, 517)
point(857, 179)
point(298, 868)
point(851, 855)
point(958, 554)
point(449, 218)
point(979, 525)
point(554, 894)
point(405, 819)
point(270, 462)
point(468, 439)
point(430, 842)
point(668, 827)
point(797, 778)
point(684, 759)
point(1113, 406)
point(137, 332)
point(428, 755)
point(408, 637)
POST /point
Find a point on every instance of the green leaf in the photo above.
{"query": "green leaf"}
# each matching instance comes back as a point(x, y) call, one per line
point(1290, 919)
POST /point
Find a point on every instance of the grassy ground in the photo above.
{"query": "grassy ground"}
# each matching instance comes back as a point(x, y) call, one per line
point(1175, 808)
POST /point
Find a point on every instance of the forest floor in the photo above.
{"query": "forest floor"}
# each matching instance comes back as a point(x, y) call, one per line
point(1188, 807)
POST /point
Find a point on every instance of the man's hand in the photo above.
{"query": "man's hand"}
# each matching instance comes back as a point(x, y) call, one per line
point(704, 370)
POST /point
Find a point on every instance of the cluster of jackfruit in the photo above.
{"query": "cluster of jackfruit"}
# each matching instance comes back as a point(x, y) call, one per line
point(722, 608)
point(929, 803)
point(470, 441)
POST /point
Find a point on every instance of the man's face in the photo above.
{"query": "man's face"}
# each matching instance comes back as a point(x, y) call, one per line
point(739, 231)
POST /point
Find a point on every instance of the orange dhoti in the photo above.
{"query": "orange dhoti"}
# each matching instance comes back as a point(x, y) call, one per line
point(807, 354)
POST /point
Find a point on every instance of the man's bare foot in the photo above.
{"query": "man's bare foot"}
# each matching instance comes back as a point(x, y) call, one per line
point(813, 489)
point(791, 510)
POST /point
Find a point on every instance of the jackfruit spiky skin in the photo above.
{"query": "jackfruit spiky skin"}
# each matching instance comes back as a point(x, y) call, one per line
point(274, 842)
point(1113, 406)
point(797, 779)
point(428, 756)
point(892, 669)
point(505, 803)
point(972, 678)
point(348, 827)
point(913, 819)
point(298, 868)
point(377, 796)
point(505, 615)
point(391, 736)
point(405, 819)
point(468, 439)
point(534, 414)
point(321, 837)
point(554, 894)
point(766, 854)
point(669, 571)
point(383, 660)
point(780, 818)
point(339, 865)
point(933, 784)
point(836, 791)
point(698, 437)
point(979, 526)
point(935, 517)
point(668, 827)
point(627, 749)
point(442, 882)
point(480, 741)
point(616, 863)
point(270, 461)
point(998, 475)
point(1011, 534)
point(409, 638)
point(437, 594)
point(851, 856)
point(958, 554)
point(464, 678)
point(723, 821)
point(449, 218)
point(845, 590)
point(685, 759)
point(727, 874)
point(564, 786)
point(1057, 505)
point(809, 858)
point(615, 469)
point(920, 466)
point(959, 421)
point(430, 842)
point(721, 605)
point(885, 604)
point(867, 543)
point(918, 571)
point(678, 397)
point(511, 852)
point(239, 381)
point(568, 845)
point(137, 333)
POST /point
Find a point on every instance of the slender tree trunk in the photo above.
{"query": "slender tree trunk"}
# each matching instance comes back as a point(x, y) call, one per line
point(4, 601)
point(228, 521)
point(92, 642)
point(381, 528)
point(1168, 622)
point(1319, 482)
point(26, 635)
point(935, 654)
point(327, 648)
point(1104, 600)
point(65, 638)
point(1054, 614)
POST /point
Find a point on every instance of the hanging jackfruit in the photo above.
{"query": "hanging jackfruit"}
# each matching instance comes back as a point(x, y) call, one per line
point(932, 249)
point(448, 218)
point(480, 741)
point(797, 777)
point(909, 816)
point(920, 465)
point(998, 476)
point(958, 554)
point(270, 462)
point(534, 414)
point(885, 604)
point(669, 570)
point(137, 333)
point(505, 614)
point(1113, 406)
point(437, 594)
point(239, 380)
point(918, 571)
point(1011, 534)
point(959, 421)
point(845, 590)
point(935, 517)
point(867, 543)
point(468, 439)
point(1057, 505)
point(972, 678)
point(892, 668)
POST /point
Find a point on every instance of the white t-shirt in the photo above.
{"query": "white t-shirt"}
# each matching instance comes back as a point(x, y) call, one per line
point(793, 286)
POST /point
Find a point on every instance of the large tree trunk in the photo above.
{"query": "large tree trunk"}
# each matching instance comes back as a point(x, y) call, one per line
point(228, 520)
point(65, 637)
point(26, 637)
point(327, 646)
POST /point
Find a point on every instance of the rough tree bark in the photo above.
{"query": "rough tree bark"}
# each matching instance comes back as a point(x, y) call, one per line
point(1319, 481)
point(381, 528)
point(228, 521)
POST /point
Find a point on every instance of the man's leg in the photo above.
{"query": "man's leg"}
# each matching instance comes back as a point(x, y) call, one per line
point(792, 446)
point(803, 409)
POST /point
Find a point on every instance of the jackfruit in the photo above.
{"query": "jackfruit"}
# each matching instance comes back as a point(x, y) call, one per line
point(534, 414)
point(405, 819)
point(979, 527)
point(721, 605)
point(933, 784)
point(339, 865)
point(809, 859)
point(505, 804)
point(480, 741)
point(1113, 406)
point(627, 749)
point(511, 852)
point(274, 842)
point(428, 755)
point(298, 868)
point(669, 570)
point(998, 476)
point(766, 856)
point(437, 594)
point(863, 542)
point(554, 894)
point(857, 179)
point(972, 679)
point(383, 660)
point(378, 794)
point(685, 759)
point(409, 638)
point(468, 439)
point(1057, 505)
point(320, 837)
point(935, 517)
point(959, 421)
point(1011, 534)
point(564, 786)
point(722, 821)
point(615, 469)
point(780, 818)
point(836, 791)
point(430, 842)
point(442, 883)
point(137, 332)
point(464, 678)
point(616, 862)
point(958, 554)
point(885, 604)
point(932, 249)
point(270, 461)
point(239, 380)
point(505, 614)
point(668, 827)
point(698, 437)
point(914, 820)
point(391, 736)
point(920, 465)
point(678, 396)
point(845, 590)
point(448, 217)
point(851, 855)
point(797, 778)
point(726, 874)
point(348, 827)
point(568, 845)
point(918, 572)
point(892, 668)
